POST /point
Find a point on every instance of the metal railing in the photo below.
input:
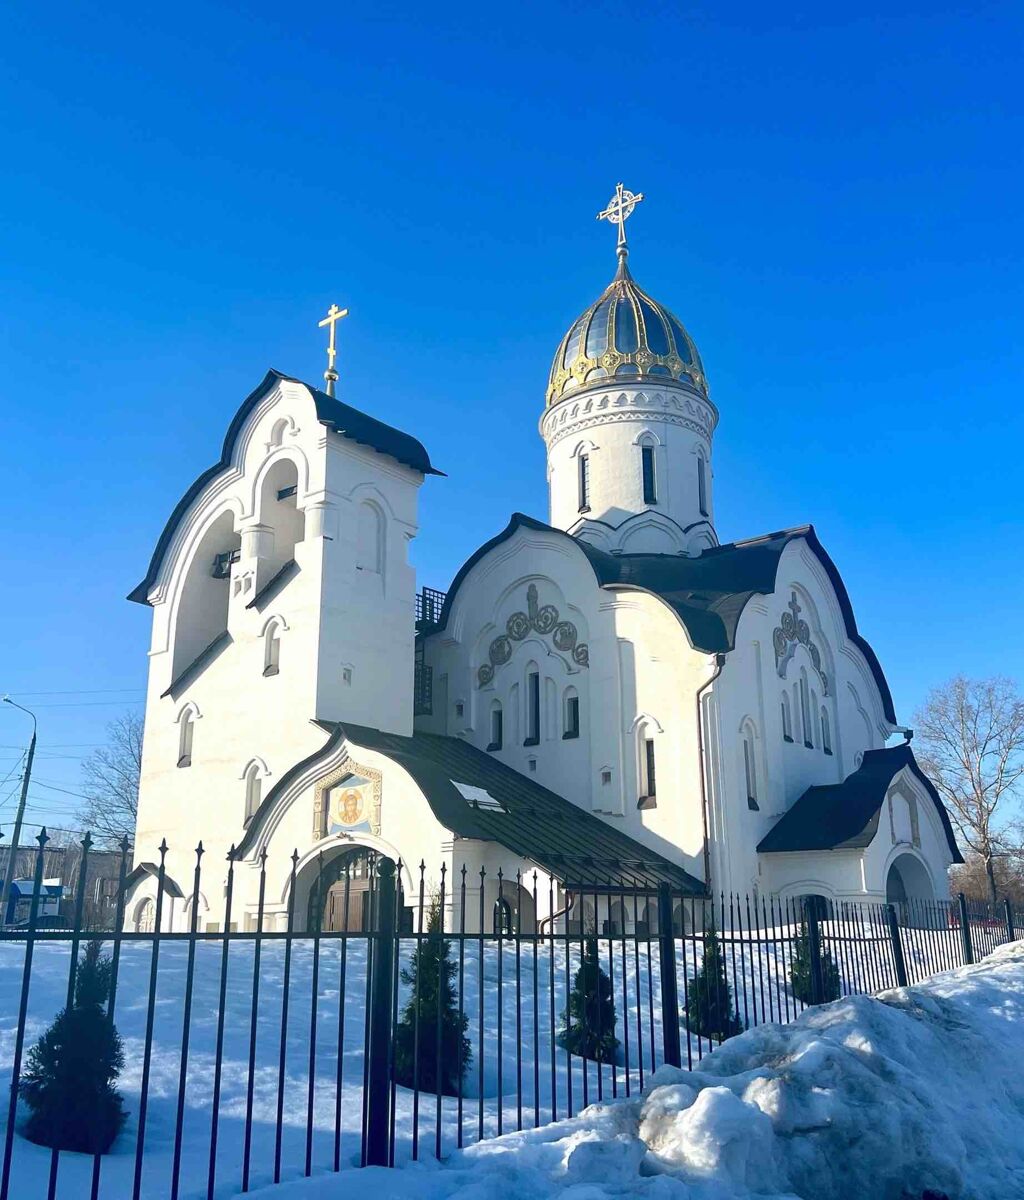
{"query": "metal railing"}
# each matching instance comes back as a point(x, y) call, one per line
point(265, 1053)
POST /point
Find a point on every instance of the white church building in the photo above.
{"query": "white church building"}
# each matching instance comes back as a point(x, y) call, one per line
point(611, 697)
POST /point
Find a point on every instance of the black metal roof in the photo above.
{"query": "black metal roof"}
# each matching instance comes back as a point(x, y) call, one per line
point(844, 816)
point(708, 593)
point(533, 822)
point(568, 842)
point(342, 418)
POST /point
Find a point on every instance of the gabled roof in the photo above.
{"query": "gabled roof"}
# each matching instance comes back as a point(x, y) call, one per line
point(342, 418)
point(708, 593)
point(570, 843)
point(151, 869)
point(844, 816)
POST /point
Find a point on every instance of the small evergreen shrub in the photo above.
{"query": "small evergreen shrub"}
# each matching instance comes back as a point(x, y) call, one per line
point(433, 969)
point(68, 1083)
point(711, 1011)
point(800, 972)
point(588, 1024)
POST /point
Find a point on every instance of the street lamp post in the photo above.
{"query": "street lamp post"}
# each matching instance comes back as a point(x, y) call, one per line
point(12, 853)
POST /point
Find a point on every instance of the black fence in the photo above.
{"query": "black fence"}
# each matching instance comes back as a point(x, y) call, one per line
point(441, 1019)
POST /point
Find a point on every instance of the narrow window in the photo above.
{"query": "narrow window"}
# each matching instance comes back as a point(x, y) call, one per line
point(253, 788)
point(572, 717)
point(272, 649)
point(787, 720)
point(750, 772)
point(650, 490)
point(702, 485)
point(497, 730)
point(460, 709)
point(532, 709)
point(805, 712)
point(826, 732)
point(650, 778)
point(585, 483)
point(185, 739)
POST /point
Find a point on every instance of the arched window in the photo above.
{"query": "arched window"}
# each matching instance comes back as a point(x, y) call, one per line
point(787, 719)
point(502, 918)
point(497, 726)
point(272, 648)
point(253, 778)
point(647, 471)
point(186, 728)
point(145, 916)
point(532, 705)
point(805, 711)
point(584, 482)
point(702, 484)
point(826, 731)
point(648, 769)
point(750, 766)
point(370, 533)
point(571, 714)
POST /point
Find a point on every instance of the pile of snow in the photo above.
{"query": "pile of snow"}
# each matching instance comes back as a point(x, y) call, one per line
point(916, 1093)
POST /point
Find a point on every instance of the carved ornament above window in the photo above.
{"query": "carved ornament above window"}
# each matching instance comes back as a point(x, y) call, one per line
point(539, 618)
point(793, 631)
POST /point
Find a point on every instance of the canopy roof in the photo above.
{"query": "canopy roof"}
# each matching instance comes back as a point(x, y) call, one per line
point(844, 816)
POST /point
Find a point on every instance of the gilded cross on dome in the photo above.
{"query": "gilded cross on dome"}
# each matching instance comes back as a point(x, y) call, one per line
point(619, 210)
point(334, 315)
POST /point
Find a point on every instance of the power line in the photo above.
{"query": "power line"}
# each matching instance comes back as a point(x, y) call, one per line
point(83, 692)
point(91, 703)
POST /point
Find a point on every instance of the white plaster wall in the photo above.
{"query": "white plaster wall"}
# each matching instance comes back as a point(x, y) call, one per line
point(610, 428)
point(749, 691)
point(641, 668)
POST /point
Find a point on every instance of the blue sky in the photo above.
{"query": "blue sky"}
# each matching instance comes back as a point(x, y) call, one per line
point(834, 211)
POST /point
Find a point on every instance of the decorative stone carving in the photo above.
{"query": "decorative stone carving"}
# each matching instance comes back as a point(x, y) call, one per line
point(793, 631)
point(539, 618)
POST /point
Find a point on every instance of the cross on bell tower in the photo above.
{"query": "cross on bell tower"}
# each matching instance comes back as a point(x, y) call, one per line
point(334, 315)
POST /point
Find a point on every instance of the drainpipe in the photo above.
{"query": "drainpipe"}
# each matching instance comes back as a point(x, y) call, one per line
point(719, 664)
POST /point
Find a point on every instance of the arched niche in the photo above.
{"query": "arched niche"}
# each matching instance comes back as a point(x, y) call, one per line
point(202, 611)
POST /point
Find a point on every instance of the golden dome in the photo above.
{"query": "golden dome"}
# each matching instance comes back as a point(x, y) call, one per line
point(627, 335)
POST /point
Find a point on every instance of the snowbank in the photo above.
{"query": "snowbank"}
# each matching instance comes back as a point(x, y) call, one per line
point(918, 1091)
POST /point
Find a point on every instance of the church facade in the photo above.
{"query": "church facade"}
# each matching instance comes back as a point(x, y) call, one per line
point(611, 697)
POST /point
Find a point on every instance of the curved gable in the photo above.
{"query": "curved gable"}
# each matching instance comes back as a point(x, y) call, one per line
point(708, 593)
point(343, 419)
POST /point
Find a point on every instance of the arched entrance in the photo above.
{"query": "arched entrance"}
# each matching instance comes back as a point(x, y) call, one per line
point(907, 882)
point(342, 891)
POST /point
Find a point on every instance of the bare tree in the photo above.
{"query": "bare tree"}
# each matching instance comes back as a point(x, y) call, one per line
point(110, 781)
point(971, 737)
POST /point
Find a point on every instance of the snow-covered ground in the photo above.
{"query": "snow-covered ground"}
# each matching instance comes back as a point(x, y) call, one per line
point(504, 1094)
point(918, 1091)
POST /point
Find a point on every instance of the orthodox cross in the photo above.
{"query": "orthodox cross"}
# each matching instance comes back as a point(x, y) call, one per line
point(334, 315)
point(619, 209)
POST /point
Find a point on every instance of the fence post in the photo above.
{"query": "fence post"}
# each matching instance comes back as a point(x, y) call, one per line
point(814, 948)
point(896, 939)
point(378, 1049)
point(669, 985)
point(965, 930)
point(1011, 933)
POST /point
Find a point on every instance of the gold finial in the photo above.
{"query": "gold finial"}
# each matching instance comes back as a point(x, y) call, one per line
point(619, 210)
point(334, 315)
